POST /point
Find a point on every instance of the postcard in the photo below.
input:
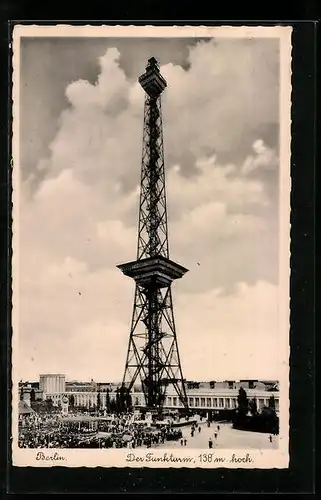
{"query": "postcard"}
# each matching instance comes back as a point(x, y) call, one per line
point(151, 246)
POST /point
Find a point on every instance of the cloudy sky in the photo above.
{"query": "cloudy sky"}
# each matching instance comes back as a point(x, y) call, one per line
point(81, 117)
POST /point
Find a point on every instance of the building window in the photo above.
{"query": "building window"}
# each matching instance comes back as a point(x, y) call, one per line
point(215, 402)
point(234, 402)
point(261, 403)
point(202, 401)
point(191, 401)
point(174, 401)
point(227, 402)
point(230, 385)
point(169, 399)
point(276, 405)
point(220, 402)
point(193, 385)
point(197, 401)
point(208, 402)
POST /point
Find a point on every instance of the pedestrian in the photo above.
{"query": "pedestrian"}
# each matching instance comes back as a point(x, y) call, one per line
point(208, 423)
point(215, 435)
point(192, 433)
point(218, 427)
point(199, 428)
point(185, 442)
point(270, 438)
point(182, 442)
point(210, 443)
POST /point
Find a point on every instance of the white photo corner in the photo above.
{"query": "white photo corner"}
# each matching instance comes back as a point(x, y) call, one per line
point(151, 246)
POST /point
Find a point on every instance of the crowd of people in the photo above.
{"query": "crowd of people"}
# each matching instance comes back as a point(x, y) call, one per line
point(116, 431)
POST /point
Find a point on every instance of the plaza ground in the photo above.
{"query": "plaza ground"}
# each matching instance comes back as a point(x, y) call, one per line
point(227, 438)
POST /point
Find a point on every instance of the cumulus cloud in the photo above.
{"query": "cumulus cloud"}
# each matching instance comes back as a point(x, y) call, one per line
point(230, 92)
point(263, 158)
point(81, 220)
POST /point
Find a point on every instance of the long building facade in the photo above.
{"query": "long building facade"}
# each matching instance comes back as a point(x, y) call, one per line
point(205, 397)
point(213, 399)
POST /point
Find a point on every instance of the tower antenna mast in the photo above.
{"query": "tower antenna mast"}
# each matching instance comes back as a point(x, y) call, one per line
point(153, 356)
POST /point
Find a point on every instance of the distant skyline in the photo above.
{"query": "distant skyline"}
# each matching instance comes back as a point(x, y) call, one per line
point(81, 120)
point(118, 382)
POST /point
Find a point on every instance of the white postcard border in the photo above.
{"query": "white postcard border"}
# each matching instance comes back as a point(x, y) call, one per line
point(190, 458)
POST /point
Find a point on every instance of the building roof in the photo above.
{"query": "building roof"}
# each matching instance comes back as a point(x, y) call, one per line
point(24, 409)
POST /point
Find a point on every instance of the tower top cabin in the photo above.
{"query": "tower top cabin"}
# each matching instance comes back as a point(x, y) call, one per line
point(152, 81)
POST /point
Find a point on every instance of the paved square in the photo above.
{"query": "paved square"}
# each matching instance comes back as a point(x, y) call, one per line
point(227, 438)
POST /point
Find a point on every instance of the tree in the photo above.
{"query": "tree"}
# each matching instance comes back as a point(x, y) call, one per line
point(270, 420)
point(122, 400)
point(253, 406)
point(242, 401)
point(117, 401)
point(129, 402)
point(32, 395)
point(49, 403)
point(107, 400)
point(272, 402)
point(113, 406)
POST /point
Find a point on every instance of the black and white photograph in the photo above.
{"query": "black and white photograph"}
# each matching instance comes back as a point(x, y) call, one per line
point(151, 246)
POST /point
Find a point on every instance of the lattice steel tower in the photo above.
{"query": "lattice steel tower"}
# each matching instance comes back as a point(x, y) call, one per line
point(153, 356)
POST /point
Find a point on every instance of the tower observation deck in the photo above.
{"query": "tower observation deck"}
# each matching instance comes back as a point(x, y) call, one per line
point(153, 357)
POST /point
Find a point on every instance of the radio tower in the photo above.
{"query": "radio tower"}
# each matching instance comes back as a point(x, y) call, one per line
point(152, 356)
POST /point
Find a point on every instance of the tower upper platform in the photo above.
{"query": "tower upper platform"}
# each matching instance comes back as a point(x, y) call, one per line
point(152, 81)
point(158, 271)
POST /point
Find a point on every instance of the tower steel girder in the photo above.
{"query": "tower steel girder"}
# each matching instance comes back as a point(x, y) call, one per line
point(152, 355)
